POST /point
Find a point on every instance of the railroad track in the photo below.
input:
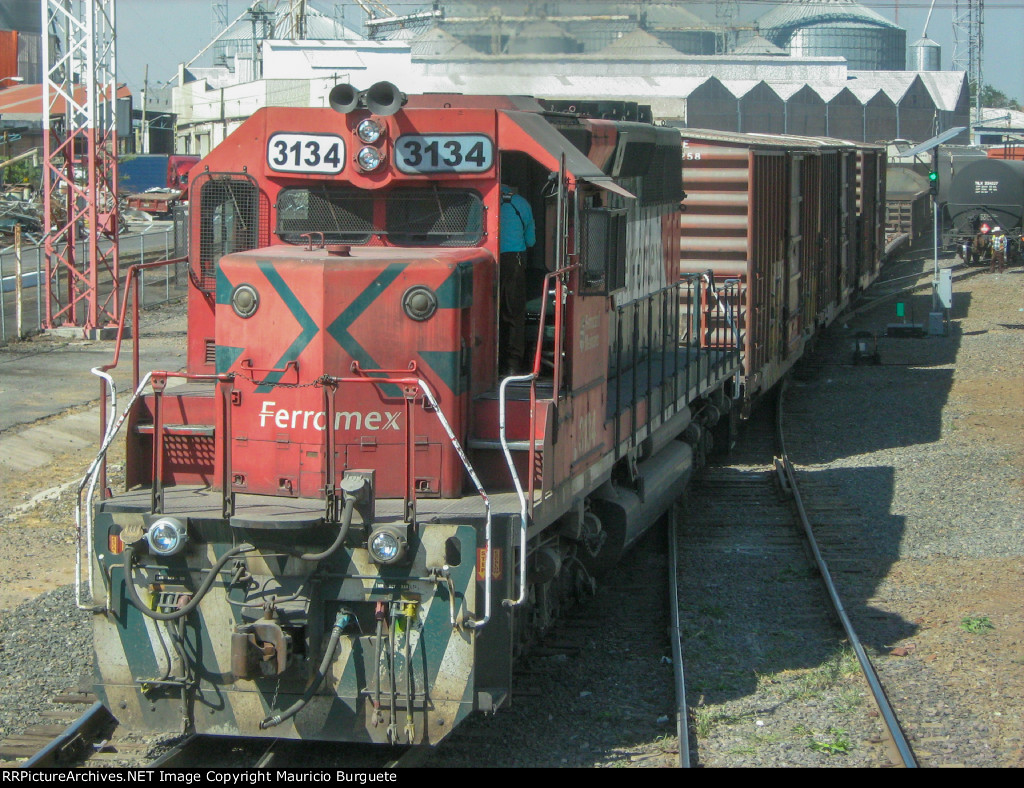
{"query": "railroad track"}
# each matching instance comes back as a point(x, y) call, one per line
point(758, 639)
point(91, 740)
point(576, 700)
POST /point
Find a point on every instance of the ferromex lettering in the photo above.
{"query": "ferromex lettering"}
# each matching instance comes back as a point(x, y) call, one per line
point(349, 420)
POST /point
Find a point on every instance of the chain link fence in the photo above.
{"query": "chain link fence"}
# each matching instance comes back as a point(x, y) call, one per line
point(23, 297)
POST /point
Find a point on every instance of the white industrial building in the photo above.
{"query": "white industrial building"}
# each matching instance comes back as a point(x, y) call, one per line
point(757, 87)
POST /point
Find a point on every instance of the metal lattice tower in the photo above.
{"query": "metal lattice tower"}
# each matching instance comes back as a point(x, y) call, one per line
point(219, 23)
point(968, 45)
point(80, 169)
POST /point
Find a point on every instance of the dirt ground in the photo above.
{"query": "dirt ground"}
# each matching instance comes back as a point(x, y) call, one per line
point(985, 405)
point(37, 549)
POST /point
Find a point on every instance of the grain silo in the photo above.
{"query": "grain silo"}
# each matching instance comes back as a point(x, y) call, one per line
point(837, 28)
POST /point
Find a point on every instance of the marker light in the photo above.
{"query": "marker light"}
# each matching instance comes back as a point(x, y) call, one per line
point(166, 536)
point(245, 300)
point(386, 545)
point(369, 130)
point(419, 302)
point(369, 158)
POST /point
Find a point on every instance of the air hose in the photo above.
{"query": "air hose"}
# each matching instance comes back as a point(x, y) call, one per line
point(204, 587)
point(133, 593)
point(343, 619)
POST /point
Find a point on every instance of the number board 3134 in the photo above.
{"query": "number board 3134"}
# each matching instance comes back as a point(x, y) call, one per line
point(320, 154)
point(420, 153)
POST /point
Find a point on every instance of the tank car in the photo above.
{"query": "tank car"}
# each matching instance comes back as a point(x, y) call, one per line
point(984, 194)
point(340, 522)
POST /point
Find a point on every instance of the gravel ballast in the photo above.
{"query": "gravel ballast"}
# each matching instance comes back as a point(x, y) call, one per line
point(928, 447)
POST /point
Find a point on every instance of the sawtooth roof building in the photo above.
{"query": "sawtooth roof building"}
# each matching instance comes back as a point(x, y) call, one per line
point(786, 73)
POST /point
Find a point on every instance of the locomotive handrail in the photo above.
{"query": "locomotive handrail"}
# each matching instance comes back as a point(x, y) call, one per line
point(93, 473)
point(132, 288)
point(526, 500)
point(411, 383)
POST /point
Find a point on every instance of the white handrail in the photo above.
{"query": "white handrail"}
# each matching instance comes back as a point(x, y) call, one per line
point(515, 480)
point(90, 480)
point(476, 624)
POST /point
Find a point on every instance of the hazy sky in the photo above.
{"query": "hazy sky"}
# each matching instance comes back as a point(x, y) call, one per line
point(162, 33)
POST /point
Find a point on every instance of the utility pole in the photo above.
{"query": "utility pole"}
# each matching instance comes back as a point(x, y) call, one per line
point(145, 115)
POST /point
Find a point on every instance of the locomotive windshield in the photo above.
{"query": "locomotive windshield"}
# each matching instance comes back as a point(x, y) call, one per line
point(404, 217)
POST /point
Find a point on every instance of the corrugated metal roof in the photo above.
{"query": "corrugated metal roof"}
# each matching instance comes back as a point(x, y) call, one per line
point(804, 13)
point(827, 90)
point(759, 45)
point(436, 42)
point(786, 90)
point(895, 84)
point(543, 29)
point(665, 15)
point(319, 27)
point(866, 92)
point(740, 87)
point(640, 45)
point(945, 87)
point(996, 117)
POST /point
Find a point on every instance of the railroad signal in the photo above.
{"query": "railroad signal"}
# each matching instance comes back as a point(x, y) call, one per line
point(933, 182)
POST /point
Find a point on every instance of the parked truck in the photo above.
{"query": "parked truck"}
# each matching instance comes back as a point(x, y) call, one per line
point(155, 182)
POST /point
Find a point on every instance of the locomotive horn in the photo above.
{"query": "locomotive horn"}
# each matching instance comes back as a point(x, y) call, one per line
point(344, 98)
point(383, 98)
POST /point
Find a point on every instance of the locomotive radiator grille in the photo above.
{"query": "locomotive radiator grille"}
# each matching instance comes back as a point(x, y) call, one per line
point(228, 221)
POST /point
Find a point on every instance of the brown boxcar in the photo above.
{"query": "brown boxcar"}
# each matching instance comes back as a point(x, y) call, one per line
point(796, 222)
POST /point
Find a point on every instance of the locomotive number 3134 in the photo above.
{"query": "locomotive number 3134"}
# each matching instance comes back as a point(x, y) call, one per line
point(323, 154)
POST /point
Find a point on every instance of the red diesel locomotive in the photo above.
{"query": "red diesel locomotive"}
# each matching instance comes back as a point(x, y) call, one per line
point(340, 521)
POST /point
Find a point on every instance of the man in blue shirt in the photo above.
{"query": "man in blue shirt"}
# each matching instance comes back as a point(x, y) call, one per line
point(518, 234)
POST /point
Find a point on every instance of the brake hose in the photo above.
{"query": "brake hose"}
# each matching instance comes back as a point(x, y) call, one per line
point(343, 619)
point(133, 593)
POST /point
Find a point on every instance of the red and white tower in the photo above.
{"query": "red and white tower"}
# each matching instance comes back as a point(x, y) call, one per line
point(80, 172)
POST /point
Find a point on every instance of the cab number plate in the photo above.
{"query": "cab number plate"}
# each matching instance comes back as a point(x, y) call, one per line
point(322, 154)
point(418, 153)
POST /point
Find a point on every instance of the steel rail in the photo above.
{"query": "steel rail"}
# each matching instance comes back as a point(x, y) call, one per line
point(74, 741)
point(675, 635)
point(898, 743)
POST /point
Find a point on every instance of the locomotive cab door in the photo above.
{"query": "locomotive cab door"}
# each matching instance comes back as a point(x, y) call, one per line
point(531, 181)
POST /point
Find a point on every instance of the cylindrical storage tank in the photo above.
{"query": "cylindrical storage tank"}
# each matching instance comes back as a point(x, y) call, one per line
point(837, 28)
point(866, 48)
point(988, 189)
point(542, 38)
point(925, 55)
point(679, 28)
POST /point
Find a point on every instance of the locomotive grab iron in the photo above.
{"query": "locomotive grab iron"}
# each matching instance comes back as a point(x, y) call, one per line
point(340, 522)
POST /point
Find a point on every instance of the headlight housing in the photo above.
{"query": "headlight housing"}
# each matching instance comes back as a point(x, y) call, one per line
point(369, 130)
point(369, 158)
point(387, 545)
point(166, 536)
point(245, 300)
point(419, 302)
